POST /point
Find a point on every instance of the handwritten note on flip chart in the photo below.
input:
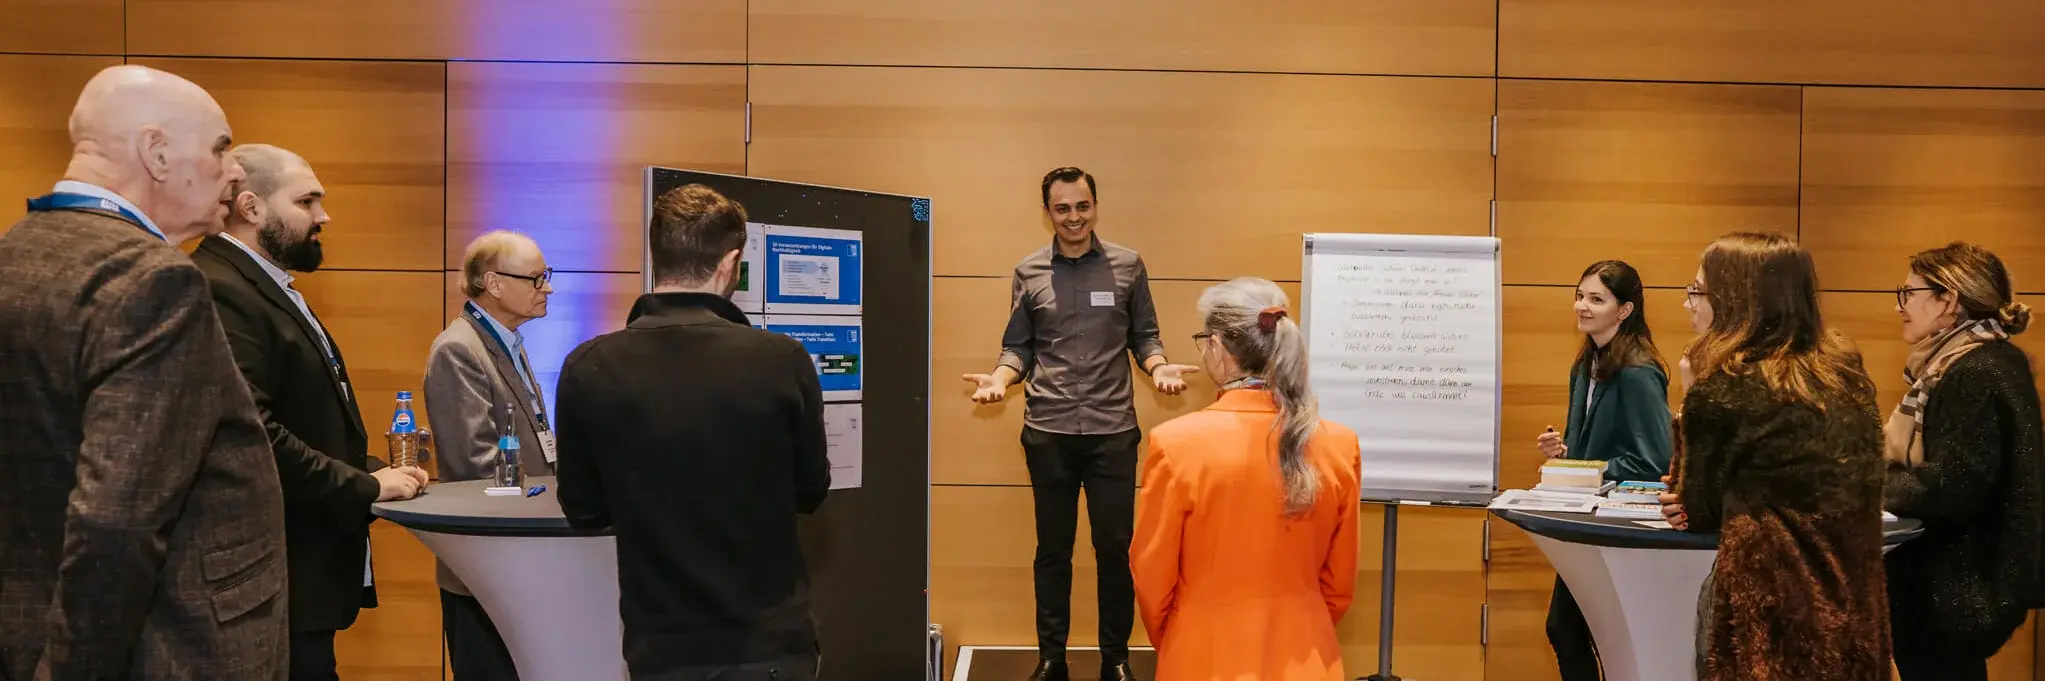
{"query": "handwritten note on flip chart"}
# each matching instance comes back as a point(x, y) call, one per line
point(1403, 332)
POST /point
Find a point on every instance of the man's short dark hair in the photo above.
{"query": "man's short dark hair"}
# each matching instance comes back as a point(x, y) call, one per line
point(693, 228)
point(1068, 174)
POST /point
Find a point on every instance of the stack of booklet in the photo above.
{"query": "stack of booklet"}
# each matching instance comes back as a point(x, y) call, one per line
point(1579, 486)
point(1633, 500)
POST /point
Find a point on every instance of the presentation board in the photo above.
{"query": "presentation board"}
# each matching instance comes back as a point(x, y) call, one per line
point(1404, 336)
point(812, 256)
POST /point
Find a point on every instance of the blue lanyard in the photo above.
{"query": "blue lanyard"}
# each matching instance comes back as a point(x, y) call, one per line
point(525, 374)
point(69, 201)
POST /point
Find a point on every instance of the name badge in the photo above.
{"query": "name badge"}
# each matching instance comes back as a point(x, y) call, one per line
point(1104, 298)
point(547, 445)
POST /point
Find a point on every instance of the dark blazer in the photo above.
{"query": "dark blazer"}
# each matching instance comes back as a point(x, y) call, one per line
point(1626, 424)
point(1795, 494)
point(469, 379)
point(1965, 585)
point(141, 523)
point(316, 432)
point(699, 439)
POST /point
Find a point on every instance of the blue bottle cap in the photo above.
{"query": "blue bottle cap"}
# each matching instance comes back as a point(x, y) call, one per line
point(404, 394)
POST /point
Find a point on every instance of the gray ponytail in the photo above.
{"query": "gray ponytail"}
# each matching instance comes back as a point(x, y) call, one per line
point(1232, 312)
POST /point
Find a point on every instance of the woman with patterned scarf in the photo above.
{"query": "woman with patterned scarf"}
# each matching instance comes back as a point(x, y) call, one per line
point(1964, 450)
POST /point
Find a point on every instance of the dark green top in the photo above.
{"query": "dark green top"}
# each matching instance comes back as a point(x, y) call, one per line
point(1626, 423)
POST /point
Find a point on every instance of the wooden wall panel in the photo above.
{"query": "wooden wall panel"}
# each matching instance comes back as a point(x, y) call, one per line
point(1871, 320)
point(61, 26)
point(384, 323)
point(399, 639)
point(1644, 172)
point(1209, 175)
point(1890, 172)
point(559, 150)
point(373, 132)
point(983, 541)
point(1417, 37)
point(980, 443)
point(36, 96)
point(530, 30)
point(1876, 42)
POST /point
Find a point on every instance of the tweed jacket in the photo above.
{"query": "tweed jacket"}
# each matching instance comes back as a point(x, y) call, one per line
point(141, 518)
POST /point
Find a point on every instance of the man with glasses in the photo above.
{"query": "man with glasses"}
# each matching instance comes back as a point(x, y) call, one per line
point(477, 369)
point(299, 379)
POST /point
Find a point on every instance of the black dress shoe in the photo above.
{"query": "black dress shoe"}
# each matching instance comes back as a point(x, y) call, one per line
point(1050, 670)
point(1118, 672)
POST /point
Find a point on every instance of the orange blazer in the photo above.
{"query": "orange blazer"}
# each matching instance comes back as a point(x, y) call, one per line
point(1231, 589)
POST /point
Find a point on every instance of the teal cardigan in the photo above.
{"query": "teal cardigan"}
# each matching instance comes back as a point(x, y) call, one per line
point(1627, 424)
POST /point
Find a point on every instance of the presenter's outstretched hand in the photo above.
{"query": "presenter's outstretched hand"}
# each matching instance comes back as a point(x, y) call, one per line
point(1672, 511)
point(1171, 378)
point(1551, 444)
point(398, 484)
point(987, 388)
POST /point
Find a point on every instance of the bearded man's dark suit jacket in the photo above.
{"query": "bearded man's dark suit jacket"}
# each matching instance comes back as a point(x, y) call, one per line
point(140, 517)
point(315, 429)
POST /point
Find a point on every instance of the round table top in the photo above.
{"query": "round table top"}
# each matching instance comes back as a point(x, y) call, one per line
point(1622, 533)
point(463, 508)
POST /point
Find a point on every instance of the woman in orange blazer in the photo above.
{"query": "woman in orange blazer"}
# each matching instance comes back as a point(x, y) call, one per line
point(1245, 546)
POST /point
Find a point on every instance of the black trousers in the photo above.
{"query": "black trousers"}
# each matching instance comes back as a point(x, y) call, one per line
point(1105, 466)
point(1575, 652)
point(1913, 664)
point(312, 656)
point(803, 667)
point(475, 651)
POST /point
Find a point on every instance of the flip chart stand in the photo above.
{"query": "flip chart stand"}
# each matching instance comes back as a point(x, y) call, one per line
point(1385, 585)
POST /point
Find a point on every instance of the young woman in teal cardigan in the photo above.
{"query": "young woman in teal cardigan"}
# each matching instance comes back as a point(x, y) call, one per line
point(1618, 413)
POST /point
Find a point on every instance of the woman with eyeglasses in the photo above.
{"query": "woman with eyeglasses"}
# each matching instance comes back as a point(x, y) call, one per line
point(1963, 451)
point(1783, 460)
point(1244, 553)
point(1618, 413)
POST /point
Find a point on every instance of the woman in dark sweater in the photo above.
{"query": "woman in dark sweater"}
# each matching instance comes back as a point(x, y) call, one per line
point(1963, 456)
point(1782, 452)
point(1618, 413)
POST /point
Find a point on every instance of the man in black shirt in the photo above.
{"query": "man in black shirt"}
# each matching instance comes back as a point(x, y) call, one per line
point(698, 438)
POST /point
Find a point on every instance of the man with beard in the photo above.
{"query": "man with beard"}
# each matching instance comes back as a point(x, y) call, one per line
point(299, 379)
point(139, 517)
point(700, 439)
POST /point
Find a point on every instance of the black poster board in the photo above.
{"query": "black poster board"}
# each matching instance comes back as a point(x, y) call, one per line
point(868, 547)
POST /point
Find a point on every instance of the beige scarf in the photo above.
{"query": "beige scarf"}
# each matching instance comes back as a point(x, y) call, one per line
point(1903, 437)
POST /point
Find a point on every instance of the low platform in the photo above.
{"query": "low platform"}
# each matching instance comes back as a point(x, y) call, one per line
point(1014, 663)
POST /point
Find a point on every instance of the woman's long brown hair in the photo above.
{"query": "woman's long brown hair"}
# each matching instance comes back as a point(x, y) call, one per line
point(1763, 290)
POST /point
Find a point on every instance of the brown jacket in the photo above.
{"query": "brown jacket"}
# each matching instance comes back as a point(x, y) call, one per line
point(1795, 494)
point(141, 520)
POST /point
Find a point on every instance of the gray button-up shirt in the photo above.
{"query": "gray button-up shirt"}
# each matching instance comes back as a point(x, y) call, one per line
point(1072, 324)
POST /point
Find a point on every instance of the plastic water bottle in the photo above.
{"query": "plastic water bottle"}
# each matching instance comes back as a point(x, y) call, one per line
point(404, 435)
point(509, 473)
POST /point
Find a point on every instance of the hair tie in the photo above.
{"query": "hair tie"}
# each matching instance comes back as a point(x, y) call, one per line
point(1268, 319)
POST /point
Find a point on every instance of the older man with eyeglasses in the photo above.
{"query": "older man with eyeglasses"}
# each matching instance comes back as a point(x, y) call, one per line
point(478, 367)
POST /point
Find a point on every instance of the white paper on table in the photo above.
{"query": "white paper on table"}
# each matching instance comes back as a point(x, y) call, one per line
point(844, 444)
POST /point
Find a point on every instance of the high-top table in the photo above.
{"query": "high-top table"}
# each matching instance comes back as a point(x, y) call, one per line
point(551, 590)
point(1638, 585)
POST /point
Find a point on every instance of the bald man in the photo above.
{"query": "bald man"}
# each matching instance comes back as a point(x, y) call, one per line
point(299, 379)
point(477, 369)
point(141, 521)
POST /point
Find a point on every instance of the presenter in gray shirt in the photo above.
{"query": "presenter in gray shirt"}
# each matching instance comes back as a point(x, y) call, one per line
point(1079, 308)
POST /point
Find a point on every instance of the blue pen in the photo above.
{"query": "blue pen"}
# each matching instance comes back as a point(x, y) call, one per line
point(535, 491)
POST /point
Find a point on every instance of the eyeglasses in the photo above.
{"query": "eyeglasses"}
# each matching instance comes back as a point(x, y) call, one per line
point(539, 280)
point(1204, 335)
point(1694, 291)
point(1903, 293)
